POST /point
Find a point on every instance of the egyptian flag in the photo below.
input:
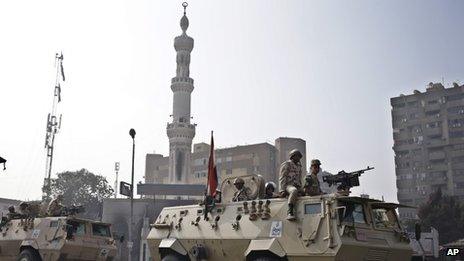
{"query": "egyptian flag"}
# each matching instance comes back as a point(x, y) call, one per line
point(212, 172)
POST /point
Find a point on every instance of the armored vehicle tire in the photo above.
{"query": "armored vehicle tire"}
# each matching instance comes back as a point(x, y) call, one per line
point(265, 258)
point(29, 255)
point(173, 257)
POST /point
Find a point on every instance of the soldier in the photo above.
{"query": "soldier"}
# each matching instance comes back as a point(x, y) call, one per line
point(269, 191)
point(55, 208)
point(242, 193)
point(290, 180)
point(12, 214)
point(218, 196)
point(24, 210)
point(312, 187)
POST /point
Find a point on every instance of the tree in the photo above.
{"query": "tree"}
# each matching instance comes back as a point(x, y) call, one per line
point(82, 188)
point(445, 214)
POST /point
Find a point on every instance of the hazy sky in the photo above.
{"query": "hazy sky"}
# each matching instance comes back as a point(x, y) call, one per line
point(319, 70)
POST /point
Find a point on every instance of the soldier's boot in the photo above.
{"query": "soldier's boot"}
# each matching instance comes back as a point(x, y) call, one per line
point(290, 212)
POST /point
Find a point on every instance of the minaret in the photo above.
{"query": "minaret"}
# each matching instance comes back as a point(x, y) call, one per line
point(180, 131)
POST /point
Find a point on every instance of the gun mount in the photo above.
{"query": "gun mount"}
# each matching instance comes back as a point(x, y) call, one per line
point(72, 210)
point(346, 180)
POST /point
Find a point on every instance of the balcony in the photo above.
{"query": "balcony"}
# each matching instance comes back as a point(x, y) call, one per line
point(436, 143)
point(432, 107)
point(455, 103)
point(457, 153)
point(437, 155)
point(433, 131)
point(438, 167)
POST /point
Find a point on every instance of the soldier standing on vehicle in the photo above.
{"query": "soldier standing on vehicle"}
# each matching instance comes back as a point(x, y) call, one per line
point(55, 208)
point(290, 181)
point(312, 187)
point(242, 193)
point(269, 190)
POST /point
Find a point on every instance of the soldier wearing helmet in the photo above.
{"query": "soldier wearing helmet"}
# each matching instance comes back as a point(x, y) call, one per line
point(242, 193)
point(290, 180)
point(269, 190)
point(312, 187)
point(24, 210)
point(55, 208)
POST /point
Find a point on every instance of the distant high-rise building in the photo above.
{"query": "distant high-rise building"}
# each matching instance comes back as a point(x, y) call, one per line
point(428, 134)
point(261, 158)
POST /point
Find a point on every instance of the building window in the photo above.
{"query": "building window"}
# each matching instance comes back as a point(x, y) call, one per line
point(435, 124)
point(456, 110)
point(455, 97)
point(456, 134)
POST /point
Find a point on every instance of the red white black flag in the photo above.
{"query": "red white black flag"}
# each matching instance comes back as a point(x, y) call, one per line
point(212, 172)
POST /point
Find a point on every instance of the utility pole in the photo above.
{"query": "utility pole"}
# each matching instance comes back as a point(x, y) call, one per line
point(116, 169)
point(53, 126)
point(130, 244)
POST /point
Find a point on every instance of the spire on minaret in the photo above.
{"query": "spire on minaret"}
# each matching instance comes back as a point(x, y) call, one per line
point(180, 131)
point(184, 21)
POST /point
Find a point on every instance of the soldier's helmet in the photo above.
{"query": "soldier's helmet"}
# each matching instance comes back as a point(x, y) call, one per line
point(270, 184)
point(315, 162)
point(239, 181)
point(295, 152)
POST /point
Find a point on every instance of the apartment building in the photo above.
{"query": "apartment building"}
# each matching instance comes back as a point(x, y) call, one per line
point(428, 134)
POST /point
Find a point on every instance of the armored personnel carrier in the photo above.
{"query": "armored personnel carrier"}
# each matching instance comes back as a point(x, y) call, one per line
point(27, 238)
point(328, 227)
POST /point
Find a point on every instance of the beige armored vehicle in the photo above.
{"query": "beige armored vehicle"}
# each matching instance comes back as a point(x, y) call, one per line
point(55, 238)
point(328, 227)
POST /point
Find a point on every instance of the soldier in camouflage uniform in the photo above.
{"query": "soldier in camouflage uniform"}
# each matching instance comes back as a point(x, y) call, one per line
point(290, 180)
point(313, 188)
point(55, 208)
point(242, 193)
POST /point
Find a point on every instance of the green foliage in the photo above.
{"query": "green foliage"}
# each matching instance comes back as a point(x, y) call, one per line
point(82, 188)
point(445, 214)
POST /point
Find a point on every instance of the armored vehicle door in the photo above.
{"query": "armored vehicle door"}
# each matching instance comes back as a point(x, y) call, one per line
point(75, 234)
point(101, 237)
point(11, 236)
point(313, 229)
point(352, 213)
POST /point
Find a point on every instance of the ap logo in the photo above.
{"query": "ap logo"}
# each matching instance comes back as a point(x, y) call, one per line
point(452, 252)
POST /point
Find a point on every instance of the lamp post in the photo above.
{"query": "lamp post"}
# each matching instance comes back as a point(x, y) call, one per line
point(131, 243)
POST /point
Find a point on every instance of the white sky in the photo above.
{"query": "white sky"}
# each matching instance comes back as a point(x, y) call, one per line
point(319, 70)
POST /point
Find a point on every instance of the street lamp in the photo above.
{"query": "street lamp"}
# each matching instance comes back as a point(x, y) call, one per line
point(130, 243)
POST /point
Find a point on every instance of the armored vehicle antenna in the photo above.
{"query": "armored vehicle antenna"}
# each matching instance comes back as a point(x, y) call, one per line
point(53, 126)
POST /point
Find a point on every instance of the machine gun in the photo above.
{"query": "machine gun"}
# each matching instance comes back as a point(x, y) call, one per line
point(346, 180)
point(72, 210)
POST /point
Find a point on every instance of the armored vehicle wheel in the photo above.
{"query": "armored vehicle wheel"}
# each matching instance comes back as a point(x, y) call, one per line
point(266, 258)
point(173, 257)
point(29, 255)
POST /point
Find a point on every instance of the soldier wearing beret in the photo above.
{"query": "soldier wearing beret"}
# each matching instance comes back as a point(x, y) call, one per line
point(313, 187)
